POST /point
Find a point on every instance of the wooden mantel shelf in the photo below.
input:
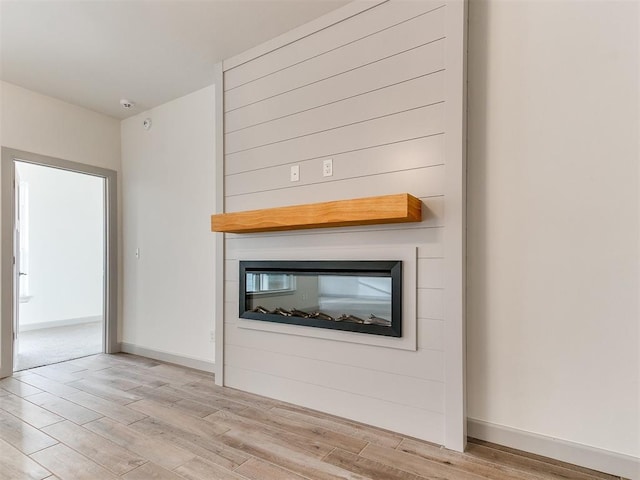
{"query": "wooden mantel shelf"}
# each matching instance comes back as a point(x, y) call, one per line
point(400, 208)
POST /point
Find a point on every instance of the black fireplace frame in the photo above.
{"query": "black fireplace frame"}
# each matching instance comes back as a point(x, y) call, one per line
point(391, 268)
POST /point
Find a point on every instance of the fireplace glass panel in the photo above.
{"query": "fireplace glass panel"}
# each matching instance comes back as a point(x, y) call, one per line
point(270, 283)
point(357, 296)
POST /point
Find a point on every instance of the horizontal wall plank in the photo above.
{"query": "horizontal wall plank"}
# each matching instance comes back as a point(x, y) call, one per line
point(422, 182)
point(231, 273)
point(431, 334)
point(431, 273)
point(425, 364)
point(428, 240)
point(418, 31)
point(415, 422)
point(411, 154)
point(231, 291)
point(231, 313)
point(431, 303)
point(391, 70)
point(328, 20)
point(408, 391)
point(326, 39)
point(421, 91)
point(419, 122)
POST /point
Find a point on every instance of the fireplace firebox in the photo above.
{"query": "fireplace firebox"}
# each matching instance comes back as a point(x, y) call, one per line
point(356, 296)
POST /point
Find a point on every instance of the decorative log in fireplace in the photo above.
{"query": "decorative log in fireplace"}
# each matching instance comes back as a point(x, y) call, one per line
point(357, 296)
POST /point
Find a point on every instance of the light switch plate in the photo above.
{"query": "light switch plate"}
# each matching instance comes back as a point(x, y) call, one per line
point(295, 173)
point(327, 167)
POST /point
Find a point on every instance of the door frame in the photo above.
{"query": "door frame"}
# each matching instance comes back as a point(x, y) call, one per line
point(7, 280)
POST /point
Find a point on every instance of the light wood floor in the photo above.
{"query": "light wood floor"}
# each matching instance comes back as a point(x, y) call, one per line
point(122, 416)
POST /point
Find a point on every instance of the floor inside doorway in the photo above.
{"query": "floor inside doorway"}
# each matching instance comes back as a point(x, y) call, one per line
point(46, 346)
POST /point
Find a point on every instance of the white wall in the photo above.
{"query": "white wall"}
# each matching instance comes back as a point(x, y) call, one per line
point(39, 124)
point(374, 93)
point(44, 125)
point(553, 218)
point(168, 193)
point(65, 223)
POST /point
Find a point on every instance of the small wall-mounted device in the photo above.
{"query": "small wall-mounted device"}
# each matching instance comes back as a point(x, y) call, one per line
point(147, 123)
point(127, 104)
point(294, 174)
point(327, 167)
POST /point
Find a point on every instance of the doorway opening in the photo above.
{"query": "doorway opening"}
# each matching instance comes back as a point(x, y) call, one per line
point(60, 220)
point(58, 261)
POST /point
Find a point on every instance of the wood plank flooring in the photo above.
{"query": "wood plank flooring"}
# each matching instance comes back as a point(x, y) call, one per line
point(123, 416)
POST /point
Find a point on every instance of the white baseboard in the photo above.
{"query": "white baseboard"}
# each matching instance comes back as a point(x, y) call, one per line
point(182, 360)
point(60, 323)
point(597, 459)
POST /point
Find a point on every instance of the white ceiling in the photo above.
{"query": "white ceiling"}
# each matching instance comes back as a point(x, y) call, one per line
point(94, 52)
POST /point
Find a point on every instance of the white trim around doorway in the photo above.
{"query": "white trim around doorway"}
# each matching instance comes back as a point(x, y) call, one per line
point(7, 176)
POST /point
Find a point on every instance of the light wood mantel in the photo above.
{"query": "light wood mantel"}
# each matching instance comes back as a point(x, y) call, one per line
point(399, 208)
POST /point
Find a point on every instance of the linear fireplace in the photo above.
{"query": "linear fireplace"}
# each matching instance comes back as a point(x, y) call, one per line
point(357, 296)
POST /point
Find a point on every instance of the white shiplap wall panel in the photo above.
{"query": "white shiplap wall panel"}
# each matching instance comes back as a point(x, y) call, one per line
point(418, 31)
point(231, 294)
point(372, 93)
point(408, 155)
point(347, 31)
point(428, 240)
point(431, 303)
point(412, 421)
point(419, 122)
point(230, 315)
point(422, 182)
point(399, 389)
point(231, 269)
point(430, 273)
point(421, 91)
point(391, 70)
point(426, 364)
point(431, 335)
